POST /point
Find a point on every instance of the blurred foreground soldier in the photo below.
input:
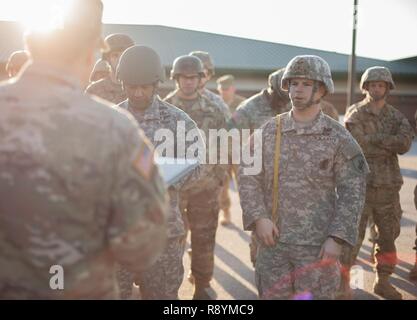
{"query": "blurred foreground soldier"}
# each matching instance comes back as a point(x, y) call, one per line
point(383, 132)
point(208, 70)
point(307, 199)
point(100, 71)
point(140, 72)
point(227, 90)
point(201, 203)
point(110, 88)
point(413, 272)
point(257, 110)
point(16, 61)
point(78, 184)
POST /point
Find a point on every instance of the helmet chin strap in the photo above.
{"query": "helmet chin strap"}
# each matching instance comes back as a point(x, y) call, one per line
point(383, 97)
point(312, 102)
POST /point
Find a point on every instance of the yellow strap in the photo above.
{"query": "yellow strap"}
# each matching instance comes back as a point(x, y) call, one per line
point(276, 169)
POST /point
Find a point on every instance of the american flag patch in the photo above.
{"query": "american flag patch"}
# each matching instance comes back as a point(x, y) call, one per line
point(143, 162)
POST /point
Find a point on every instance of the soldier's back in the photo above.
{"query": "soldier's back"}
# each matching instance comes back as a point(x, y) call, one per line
point(60, 154)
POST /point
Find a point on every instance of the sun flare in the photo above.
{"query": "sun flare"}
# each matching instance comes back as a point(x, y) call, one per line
point(43, 15)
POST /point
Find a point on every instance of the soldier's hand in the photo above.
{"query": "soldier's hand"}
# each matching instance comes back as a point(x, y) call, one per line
point(330, 249)
point(266, 231)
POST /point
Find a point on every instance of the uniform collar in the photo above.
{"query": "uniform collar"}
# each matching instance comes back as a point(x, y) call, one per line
point(54, 74)
point(317, 126)
point(151, 113)
point(368, 109)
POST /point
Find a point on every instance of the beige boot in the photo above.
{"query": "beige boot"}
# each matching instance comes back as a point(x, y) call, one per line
point(226, 219)
point(204, 293)
point(385, 289)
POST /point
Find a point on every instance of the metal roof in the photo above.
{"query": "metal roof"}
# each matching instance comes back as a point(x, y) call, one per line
point(228, 52)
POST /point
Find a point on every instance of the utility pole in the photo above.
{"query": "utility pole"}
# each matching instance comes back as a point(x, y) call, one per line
point(352, 60)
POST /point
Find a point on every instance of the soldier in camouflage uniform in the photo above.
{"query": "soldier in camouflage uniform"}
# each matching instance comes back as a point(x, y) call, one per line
point(227, 90)
point(329, 109)
point(201, 203)
point(110, 88)
point(140, 71)
point(319, 196)
point(78, 184)
point(257, 110)
point(260, 108)
point(100, 71)
point(209, 72)
point(383, 132)
point(16, 61)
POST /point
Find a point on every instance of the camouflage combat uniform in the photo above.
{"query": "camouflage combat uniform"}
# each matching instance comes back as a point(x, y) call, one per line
point(218, 101)
point(164, 278)
point(321, 194)
point(237, 100)
point(256, 110)
point(224, 199)
point(78, 189)
point(381, 137)
point(100, 71)
point(202, 208)
point(107, 89)
point(252, 114)
point(329, 110)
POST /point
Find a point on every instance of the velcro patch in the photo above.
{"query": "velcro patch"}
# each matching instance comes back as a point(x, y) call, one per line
point(359, 164)
point(143, 162)
point(350, 150)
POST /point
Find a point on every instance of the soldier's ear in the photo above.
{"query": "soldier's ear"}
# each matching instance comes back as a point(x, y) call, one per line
point(322, 89)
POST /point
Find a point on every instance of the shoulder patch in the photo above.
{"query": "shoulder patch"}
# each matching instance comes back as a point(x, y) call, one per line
point(359, 164)
point(350, 149)
point(143, 162)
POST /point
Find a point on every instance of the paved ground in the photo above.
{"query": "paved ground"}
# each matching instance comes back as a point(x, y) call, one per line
point(233, 274)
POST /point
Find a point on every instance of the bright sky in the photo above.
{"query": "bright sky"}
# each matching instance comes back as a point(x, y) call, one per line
point(386, 29)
